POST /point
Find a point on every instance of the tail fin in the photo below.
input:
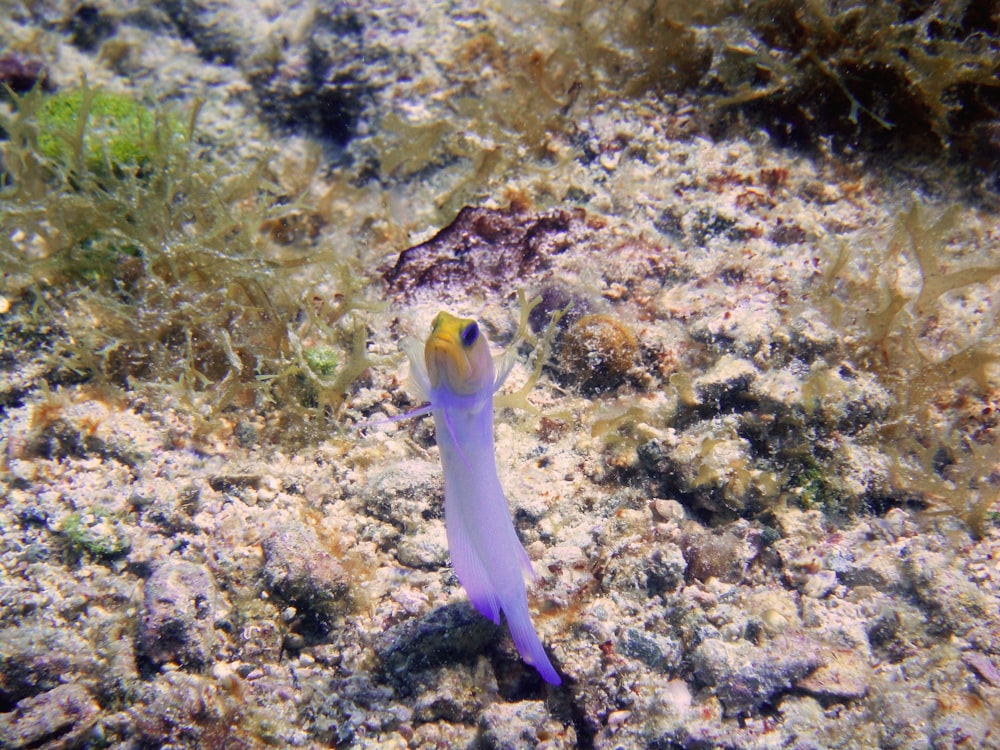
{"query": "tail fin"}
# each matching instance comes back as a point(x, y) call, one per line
point(527, 641)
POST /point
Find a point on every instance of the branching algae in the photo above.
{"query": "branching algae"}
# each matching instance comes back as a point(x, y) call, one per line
point(154, 255)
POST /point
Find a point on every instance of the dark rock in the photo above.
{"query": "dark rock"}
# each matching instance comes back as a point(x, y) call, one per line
point(666, 567)
point(322, 83)
point(745, 677)
point(59, 719)
point(554, 298)
point(456, 694)
point(486, 248)
point(725, 381)
point(89, 27)
point(178, 621)
point(34, 658)
point(210, 26)
point(246, 433)
point(299, 571)
point(653, 650)
point(716, 554)
point(233, 483)
point(453, 633)
point(883, 630)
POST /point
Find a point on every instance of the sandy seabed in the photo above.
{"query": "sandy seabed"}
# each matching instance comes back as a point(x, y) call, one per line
point(757, 475)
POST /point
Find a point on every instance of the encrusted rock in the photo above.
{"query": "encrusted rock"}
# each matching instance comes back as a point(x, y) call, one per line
point(427, 549)
point(745, 677)
point(404, 493)
point(721, 554)
point(634, 569)
point(597, 352)
point(727, 378)
point(512, 726)
point(458, 693)
point(39, 657)
point(452, 633)
point(260, 642)
point(57, 720)
point(953, 602)
point(656, 651)
point(666, 568)
point(300, 571)
point(178, 620)
point(716, 464)
point(843, 675)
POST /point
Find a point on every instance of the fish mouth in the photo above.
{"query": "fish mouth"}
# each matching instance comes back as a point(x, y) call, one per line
point(446, 361)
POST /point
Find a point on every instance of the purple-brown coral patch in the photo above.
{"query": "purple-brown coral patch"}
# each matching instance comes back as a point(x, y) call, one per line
point(20, 74)
point(486, 249)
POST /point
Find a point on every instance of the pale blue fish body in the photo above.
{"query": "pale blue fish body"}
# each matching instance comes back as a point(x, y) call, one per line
point(457, 374)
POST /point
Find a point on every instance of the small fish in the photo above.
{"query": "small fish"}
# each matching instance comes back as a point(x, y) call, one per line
point(458, 377)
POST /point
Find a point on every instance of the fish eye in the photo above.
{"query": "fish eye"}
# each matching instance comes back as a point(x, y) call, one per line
point(470, 334)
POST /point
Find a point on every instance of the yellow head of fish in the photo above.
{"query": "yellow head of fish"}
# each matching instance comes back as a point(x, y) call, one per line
point(458, 354)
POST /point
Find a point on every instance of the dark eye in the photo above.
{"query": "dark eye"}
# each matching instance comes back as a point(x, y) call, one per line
point(470, 334)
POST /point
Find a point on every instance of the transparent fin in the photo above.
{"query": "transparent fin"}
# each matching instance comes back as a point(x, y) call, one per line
point(413, 348)
point(502, 365)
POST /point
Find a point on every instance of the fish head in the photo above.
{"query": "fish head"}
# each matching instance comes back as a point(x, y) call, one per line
point(457, 355)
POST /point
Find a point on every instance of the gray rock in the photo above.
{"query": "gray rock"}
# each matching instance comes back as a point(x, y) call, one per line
point(321, 82)
point(34, 658)
point(405, 493)
point(215, 27)
point(636, 571)
point(843, 675)
point(512, 726)
point(953, 603)
point(983, 666)
point(56, 720)
point(456, 694)
point(298, 570)
point(745, 677)
point(427, 549)
point(656, 651)
point(666, 568)
point(178, 620)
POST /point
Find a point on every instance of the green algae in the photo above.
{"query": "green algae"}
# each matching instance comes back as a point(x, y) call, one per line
point(107, 131)
point(152, 251)
point(97, 533)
